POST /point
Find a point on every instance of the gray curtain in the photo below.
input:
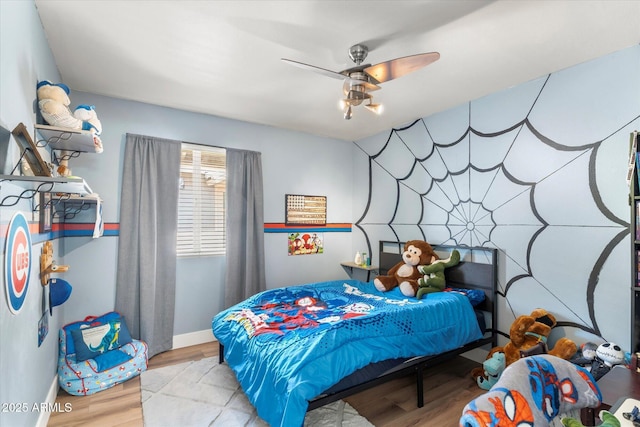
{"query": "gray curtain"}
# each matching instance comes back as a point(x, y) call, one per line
point(146, 277)
point(244, 274)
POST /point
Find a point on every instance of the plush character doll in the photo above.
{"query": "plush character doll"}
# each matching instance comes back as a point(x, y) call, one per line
point(493, 368)
point(53, 101)
point(528, 335)
point(433, 279)
point(599, 359)
point(585, 355)
point(608, 355)
point(405, 274)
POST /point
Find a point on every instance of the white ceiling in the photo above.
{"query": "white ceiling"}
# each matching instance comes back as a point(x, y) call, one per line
point(223, 57)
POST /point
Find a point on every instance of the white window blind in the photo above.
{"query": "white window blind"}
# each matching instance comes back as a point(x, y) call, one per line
point(201, 202)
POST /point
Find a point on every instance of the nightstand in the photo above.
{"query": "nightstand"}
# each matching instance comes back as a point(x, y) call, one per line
point(617, 383)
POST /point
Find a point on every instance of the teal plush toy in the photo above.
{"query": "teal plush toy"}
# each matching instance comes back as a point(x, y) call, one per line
point(433, 279)
point(493, 368)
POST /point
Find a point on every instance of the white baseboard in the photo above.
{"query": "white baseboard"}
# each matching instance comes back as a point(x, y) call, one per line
point(43, 419)
point(193, 338)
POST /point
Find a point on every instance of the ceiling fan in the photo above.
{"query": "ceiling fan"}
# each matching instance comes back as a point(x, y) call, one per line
point(360, 80)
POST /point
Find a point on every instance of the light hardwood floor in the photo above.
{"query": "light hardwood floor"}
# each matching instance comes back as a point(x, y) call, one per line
point(448, 388)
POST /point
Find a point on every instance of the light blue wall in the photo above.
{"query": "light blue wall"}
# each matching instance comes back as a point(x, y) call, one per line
point(26, 370)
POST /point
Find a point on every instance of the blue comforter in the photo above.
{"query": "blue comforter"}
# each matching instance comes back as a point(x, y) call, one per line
point(287, 345)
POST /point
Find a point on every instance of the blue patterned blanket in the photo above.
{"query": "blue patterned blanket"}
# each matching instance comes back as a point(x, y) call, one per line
point(533, 391)
point(287, 345)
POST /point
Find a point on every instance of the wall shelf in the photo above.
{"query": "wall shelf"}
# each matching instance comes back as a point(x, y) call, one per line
point(350, 265)
point(69, 206)
point(33, 185)
point(58, 138)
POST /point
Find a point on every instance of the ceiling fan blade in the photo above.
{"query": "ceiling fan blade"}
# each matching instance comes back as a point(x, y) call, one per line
point(313, 68)
point(389, 70)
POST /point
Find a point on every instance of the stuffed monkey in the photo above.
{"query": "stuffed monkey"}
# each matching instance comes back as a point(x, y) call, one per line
point(405, 274)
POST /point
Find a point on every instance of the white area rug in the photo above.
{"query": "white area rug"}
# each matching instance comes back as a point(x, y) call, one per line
point(207, 394)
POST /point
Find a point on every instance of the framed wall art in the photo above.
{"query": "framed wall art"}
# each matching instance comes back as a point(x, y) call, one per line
point(305, 210)
point(305, 243)
point(29, 151)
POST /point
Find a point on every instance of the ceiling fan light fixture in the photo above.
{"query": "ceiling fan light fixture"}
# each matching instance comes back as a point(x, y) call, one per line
point(355, 97)
point(348, 113)
point(375, 108)
point(358, 81)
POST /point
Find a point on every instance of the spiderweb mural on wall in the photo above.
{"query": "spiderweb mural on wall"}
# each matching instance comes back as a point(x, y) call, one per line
point(537, 172)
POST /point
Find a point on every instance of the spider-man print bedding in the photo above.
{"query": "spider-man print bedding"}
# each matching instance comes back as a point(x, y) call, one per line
point(288, 345)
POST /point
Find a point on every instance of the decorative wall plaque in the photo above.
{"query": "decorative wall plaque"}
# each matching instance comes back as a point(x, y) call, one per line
point(305, 210)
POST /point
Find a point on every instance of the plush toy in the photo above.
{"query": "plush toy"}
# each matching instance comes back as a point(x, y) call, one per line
point(90, 121)
point(405, 274)
point(433, 279)
point(608, 355)
point(528, 335)
point(599, 359)
point(493, 368)
point(585, 355)
point(53, 101)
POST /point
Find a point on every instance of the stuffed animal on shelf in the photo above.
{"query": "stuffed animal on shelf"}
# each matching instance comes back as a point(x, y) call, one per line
point(405, 274)
point(53, 101)
point(601, 360)
point(90, 121)
point(528, 335)
point(433, 279)
point(493, 368)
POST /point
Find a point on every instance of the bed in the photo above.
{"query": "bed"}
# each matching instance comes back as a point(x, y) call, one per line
point(298, 348)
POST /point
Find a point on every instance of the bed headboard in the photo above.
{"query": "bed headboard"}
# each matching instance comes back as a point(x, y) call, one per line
point(478, 269)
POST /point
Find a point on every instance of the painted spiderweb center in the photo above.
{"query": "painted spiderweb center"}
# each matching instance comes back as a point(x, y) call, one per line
point(470, 222)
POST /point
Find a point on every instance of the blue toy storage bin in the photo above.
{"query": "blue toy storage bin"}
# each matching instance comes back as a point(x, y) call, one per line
point(84, 377)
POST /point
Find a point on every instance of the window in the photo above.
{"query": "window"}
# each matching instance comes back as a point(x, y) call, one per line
point(201, 202)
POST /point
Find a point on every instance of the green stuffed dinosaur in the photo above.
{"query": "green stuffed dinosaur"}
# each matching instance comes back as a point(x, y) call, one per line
point(608, 420)
point(433, 279)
